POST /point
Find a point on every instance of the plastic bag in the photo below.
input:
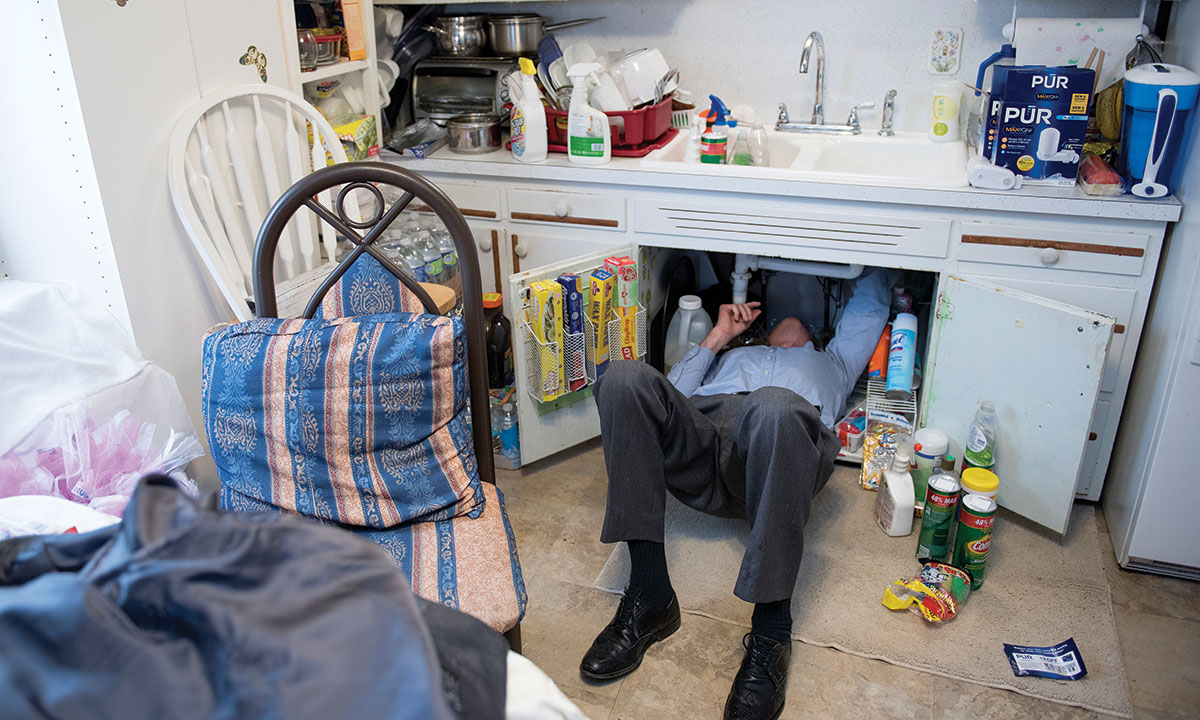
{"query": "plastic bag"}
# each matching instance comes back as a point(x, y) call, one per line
point(885, 431)
point(92, 452)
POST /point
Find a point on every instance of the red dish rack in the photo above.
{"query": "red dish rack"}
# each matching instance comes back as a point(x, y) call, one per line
point(634, 132)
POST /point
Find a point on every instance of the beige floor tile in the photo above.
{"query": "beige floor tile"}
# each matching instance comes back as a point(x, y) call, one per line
point(638, 712)
point(1154, 594)
point(1162, 661)
point(596, 705)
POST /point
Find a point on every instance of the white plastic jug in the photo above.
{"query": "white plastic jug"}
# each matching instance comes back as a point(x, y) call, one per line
point(688, 327)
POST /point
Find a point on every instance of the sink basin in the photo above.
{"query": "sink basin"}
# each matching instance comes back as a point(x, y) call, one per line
point(907, 159)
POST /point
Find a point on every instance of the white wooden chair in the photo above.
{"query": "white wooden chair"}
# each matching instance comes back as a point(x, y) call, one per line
point(232, 154)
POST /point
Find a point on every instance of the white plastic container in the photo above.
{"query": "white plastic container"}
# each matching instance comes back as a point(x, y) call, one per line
point(894, 499)
point(929, 449)
point(688, 327)
point(943, 123)
point(528, 119)
point(589, 138)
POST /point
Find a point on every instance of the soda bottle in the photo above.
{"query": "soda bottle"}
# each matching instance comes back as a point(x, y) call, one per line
point(980, 448)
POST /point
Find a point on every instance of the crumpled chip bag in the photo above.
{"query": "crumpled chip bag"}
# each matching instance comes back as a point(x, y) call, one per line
point(885, 431)
point(935, 594)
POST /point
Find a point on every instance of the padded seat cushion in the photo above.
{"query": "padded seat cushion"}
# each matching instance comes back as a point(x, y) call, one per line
point(359, 421)
point(463, 563)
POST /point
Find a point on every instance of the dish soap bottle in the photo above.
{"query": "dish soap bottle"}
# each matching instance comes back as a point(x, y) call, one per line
point(943, 125)
point(895, 497)
point(741, 153)
point(528, 119)
point(589, 138)
point(980, 450)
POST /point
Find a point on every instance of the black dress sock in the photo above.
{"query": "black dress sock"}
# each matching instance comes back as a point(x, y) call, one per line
point(648, 572)
point(773, 620)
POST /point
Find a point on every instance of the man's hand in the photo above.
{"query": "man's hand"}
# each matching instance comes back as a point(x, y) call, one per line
point(732, 320)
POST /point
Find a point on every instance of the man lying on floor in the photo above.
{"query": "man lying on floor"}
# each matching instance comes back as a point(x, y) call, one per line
point(747, 436)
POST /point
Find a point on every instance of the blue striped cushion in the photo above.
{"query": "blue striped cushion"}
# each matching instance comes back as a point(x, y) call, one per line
point(367, 288)
point(358, 421)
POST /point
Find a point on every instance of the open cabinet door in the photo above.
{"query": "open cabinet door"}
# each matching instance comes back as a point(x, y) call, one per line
point(546, 428)
point(1040, 362)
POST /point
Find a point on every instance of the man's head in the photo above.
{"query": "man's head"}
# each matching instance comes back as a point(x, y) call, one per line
point(790, 332)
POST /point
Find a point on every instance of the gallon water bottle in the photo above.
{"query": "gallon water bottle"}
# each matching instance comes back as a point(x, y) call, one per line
point(510, 440)
point(688, 327)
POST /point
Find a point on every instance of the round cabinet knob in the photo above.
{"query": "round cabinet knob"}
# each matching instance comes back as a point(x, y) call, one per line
point(562, 209)
point(484, 244)
point(1049, 256)
point(520, 250)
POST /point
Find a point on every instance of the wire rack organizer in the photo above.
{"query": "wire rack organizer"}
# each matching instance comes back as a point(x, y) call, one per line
point(554, 369)
point(877, 406)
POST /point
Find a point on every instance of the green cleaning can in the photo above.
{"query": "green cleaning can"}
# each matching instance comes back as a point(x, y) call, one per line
point(941, 501)
point(976, 516)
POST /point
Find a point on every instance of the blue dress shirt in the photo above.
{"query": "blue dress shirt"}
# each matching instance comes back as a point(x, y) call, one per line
point(823, 377)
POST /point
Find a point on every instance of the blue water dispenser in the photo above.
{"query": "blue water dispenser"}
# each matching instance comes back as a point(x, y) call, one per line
point(1156, 126)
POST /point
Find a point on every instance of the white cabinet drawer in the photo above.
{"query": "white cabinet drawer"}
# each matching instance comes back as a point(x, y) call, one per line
point(549, 207)
point(789, 226)
point(1053, 247)
point(472, 201)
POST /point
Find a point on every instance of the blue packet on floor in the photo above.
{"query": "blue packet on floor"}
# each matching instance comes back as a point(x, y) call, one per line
point(1060, 662)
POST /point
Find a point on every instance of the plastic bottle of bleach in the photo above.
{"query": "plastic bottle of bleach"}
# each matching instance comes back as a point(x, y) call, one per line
point(688, 327)
point(895, 498)
point(589, 138)
point(528, 119)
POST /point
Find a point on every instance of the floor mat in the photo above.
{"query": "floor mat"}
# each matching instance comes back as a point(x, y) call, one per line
point(1039, 590)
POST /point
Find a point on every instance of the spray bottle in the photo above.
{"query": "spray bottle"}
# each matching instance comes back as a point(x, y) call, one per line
point(528, 119)
point(589, 138)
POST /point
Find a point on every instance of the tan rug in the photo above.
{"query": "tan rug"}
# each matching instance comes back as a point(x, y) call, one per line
point(1039, 591)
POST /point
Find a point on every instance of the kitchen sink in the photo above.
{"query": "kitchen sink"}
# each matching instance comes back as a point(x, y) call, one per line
point(906, 159)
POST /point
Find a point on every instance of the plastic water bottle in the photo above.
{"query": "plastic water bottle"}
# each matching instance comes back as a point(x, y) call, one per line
point(432, 257)
point(413, 261)
point(449, 254)
point(510, 439)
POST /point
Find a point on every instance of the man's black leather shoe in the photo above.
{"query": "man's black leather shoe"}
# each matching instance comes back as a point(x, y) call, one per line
point(761, 683)
point(619, 647)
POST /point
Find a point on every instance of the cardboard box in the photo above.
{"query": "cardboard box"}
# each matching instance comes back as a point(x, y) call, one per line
point(1037, 121)
point(545, 320)
point(629, 345)
point(600, 295)
point(574, 355)
point(625, 269)
point(358, 137)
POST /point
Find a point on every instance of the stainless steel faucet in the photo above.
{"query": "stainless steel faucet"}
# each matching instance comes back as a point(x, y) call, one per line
point(889, 106)
point(814, 38)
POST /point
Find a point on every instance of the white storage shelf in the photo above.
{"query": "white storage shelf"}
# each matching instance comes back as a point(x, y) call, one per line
point(342, 67)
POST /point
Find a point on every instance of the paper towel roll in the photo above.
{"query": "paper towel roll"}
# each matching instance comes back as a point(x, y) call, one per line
point(1070, 41)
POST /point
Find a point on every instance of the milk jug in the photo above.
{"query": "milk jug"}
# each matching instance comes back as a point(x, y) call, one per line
point(688, 327)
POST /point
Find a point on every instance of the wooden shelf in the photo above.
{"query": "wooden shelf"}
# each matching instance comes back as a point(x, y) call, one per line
point(333, 70)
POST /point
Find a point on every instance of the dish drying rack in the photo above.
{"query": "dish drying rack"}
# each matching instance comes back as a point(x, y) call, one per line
point(579, 359)
point(876, 404)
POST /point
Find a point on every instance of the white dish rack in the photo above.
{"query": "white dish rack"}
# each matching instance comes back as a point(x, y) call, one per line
point(579, 358)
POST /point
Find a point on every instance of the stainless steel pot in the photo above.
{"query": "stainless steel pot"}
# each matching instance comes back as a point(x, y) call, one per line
point(516, 35)
point(460, 35)
point(473, 134)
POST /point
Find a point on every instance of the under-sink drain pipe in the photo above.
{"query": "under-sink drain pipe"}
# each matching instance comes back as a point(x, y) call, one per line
point(744, 264)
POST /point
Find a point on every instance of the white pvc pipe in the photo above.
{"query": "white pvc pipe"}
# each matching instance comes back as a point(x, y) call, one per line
point(743, 264)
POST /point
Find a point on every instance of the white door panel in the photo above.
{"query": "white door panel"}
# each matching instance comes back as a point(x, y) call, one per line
point(545, 434)
point(1040, 362)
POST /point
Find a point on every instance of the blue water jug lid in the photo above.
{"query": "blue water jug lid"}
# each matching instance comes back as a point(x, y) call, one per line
point(1143, 82)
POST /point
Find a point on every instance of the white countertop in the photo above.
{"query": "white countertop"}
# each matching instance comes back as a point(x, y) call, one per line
point(627, 171)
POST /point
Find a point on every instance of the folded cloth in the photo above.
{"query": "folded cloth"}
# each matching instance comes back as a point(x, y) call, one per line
point(183, 611)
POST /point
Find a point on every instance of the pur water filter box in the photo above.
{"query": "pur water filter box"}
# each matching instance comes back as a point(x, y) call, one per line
point(1037, 119)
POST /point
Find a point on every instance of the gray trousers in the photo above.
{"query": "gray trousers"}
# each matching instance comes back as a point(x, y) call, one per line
point(761, 456)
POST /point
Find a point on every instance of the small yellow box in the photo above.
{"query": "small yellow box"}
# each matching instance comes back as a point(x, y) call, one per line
point(545, 320)
point(628, 317)
point(600, 295)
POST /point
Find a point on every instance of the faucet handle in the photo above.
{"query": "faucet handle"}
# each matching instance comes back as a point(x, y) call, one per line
point(853, 119)
point(783, 115)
